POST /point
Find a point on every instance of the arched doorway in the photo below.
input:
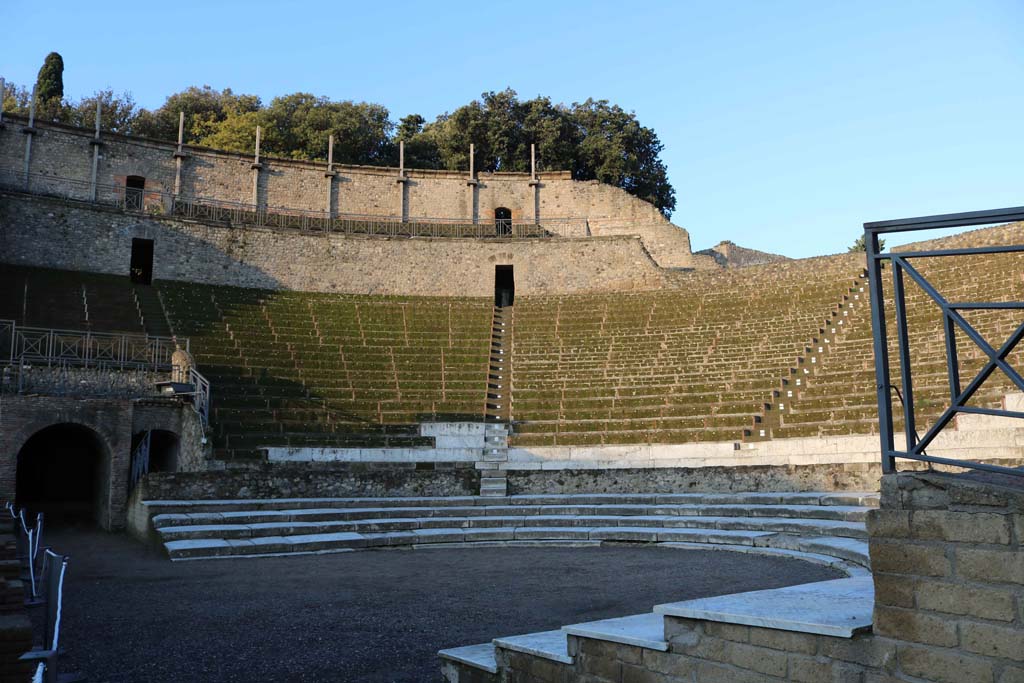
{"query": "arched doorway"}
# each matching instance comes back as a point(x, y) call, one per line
point(61, 473)
point(502, 221)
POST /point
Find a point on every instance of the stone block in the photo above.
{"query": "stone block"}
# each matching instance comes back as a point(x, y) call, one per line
point(899, 557)
point(592, 647)
point(961, 527)
point(895, 590)
point(735, 632)
point(762, 660)
point(809, 669)
point(915, 626)
point(711, 672)
point(788, 641)
point(607, 668)
point(944, 666)
point(677, 666)
point(955, 598)
point(636, 674)
point(995, 566)
point(993, 641)
point(1012, 674)
point(865, 650)
point(888, 523)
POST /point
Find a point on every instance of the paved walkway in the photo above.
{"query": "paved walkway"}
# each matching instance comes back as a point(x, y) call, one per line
point(373, 617)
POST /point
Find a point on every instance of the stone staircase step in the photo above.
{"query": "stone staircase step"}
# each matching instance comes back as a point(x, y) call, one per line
point(839, 608)
point(477, 656)
point(643, 630)
point(551, 645)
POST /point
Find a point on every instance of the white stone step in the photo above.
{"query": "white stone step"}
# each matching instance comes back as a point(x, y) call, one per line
point(839, 608)
point(551, 645)
point(477, 656)
point(643, 630)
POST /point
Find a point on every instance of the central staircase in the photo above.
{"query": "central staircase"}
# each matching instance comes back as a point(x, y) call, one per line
point(829, 525)
point(493, 479)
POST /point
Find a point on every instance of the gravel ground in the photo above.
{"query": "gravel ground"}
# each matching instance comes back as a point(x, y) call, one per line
point(372, 617)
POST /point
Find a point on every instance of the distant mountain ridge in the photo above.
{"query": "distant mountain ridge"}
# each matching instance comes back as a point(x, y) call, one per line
point(730, 255)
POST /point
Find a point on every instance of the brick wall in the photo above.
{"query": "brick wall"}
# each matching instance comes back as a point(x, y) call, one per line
point(55, 233)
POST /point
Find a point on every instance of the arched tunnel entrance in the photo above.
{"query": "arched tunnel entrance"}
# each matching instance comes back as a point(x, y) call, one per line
point(61, 472)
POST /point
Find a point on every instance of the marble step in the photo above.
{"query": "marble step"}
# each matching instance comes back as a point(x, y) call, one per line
point(481, 656)
point(814, 499)
point(685, 514)
point(343, 541)
point(551, 645)
point(839, 608)
point(642, 630)
point(808, 527)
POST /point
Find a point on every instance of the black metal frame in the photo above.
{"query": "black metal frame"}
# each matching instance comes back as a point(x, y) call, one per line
point(952, 319)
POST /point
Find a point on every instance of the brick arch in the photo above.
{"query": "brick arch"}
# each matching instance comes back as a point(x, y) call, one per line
point(103, 491)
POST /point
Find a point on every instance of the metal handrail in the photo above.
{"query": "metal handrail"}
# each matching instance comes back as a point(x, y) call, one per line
point(953, 320)
point(85, 348)
point(158, 202)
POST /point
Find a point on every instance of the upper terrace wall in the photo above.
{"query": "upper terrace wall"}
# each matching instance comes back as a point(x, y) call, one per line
point(66, 152)
point(69, 235)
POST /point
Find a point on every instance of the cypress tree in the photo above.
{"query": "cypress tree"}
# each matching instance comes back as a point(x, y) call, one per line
point(50, 82)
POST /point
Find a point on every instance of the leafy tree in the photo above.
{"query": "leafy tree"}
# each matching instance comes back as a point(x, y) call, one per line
point(421, 149)
point(204, 108)
point(15, 99)
point(117, 112)
point(860, 246)
point(298, 126)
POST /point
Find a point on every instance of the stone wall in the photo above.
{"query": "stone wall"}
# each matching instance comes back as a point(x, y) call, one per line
point(54, 233)
point(65, 152)
point(316, 480)
point(113, 421)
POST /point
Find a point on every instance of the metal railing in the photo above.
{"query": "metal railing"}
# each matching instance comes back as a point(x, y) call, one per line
point(200, 388)
point(901, 265)
point(140, 460)
point(157, 203)
point(84, 348)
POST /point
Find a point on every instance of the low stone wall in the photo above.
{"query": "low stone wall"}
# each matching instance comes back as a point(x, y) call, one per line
point(832, 477)
point(315, 480)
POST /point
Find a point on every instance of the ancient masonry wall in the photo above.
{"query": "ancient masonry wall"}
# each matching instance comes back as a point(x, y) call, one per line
point(53, 233)
point(66, 152)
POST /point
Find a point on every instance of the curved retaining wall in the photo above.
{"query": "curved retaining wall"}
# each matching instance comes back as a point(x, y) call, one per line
point(70, 235)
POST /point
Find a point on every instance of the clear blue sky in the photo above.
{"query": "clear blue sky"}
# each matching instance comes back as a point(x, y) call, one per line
point(786, 124)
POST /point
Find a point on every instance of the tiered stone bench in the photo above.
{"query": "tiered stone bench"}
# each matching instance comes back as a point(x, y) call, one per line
point(827, 526)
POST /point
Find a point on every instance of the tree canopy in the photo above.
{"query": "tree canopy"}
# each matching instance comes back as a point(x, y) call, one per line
point(595, 139)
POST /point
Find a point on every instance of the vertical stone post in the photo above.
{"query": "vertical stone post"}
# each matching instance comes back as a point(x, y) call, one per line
point(256, 166)
point(179, 157)
point(29, 131)
point(330, 175)
point(535, 184)
point(473, 184)
point(403, 182)
point(95, 144)
point(3, 91)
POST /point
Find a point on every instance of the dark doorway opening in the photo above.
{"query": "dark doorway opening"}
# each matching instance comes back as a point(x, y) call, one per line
point(163, 451)
point(502, 221)
point(134, 192)
point(504, 286)
point(142, 261)
point(60, 473)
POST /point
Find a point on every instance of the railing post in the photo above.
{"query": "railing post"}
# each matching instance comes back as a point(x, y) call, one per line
point(880, 341)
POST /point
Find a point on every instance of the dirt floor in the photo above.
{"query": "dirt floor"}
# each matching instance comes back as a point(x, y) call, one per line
point(132, 615)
